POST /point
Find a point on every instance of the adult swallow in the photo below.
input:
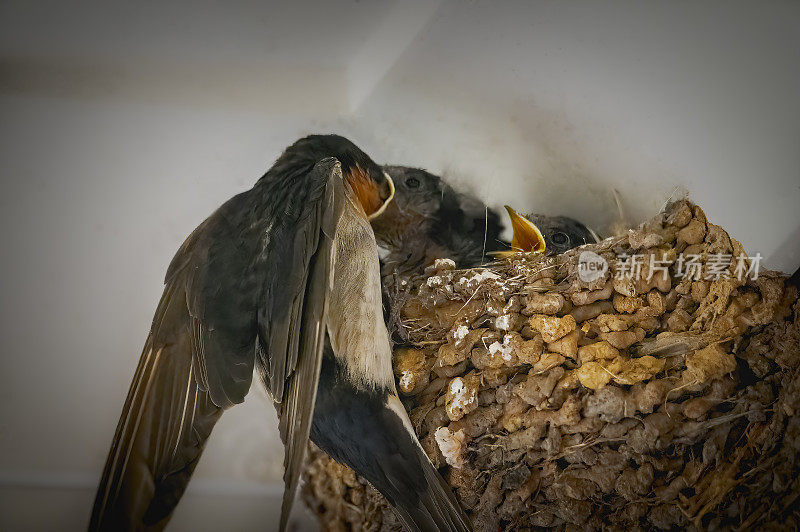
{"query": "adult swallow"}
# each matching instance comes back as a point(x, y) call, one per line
point(265, 282)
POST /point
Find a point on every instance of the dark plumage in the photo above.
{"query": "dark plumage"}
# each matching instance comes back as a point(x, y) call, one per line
point(551, 235)
point(429, 219)
point(369, 431)
point(258, 284)
point(562, 233)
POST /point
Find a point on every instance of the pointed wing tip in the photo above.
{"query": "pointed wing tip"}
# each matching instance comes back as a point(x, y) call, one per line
point(286, 510)
point(289, 492)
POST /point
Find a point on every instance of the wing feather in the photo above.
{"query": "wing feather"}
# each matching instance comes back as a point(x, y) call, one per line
point(169, 412)
point(238, 290)
point(298, 406)
point(294, 339)
point(155, 448)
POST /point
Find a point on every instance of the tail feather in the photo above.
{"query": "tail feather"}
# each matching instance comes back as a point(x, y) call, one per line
point(437, 508)
point(369, 431)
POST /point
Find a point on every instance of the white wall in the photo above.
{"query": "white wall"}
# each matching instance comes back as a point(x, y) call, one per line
point(123, 127)
point(550, 106)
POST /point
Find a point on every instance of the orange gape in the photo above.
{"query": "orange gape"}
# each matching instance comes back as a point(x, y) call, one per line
point(365, 189)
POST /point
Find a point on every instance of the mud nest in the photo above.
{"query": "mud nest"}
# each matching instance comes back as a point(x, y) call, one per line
point(616, 402)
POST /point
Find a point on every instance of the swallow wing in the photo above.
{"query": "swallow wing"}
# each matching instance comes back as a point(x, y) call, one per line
point(249, 282)
point(292, 315)
point(194, 364)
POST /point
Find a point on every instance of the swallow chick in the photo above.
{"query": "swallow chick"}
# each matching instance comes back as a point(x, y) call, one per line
point(429, 219)
point(267, 281)
point(551, 235)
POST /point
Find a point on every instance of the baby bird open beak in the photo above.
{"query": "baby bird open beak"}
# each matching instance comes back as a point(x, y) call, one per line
point(527, 237)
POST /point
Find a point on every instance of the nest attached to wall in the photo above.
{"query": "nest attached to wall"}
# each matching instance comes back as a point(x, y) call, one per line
point(549, 401)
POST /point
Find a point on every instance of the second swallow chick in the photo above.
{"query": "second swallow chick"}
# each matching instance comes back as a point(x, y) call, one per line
point(551, 235)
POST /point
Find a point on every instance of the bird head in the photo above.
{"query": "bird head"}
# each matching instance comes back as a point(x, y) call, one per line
point(417, 200)
point(562, 233)
point(373, 187)
point(551, 235)
point(429, 219)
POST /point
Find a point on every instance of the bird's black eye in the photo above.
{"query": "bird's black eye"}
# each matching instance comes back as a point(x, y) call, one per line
point(560, 239)
point(412, 182)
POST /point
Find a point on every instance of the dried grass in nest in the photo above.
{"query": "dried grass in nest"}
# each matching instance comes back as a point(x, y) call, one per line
point(550, 402)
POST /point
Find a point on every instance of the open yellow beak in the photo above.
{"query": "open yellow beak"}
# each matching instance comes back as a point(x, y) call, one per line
point(527, 237)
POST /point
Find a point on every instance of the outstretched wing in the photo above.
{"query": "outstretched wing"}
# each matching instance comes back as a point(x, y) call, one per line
point(166, 420)
point(250, 279)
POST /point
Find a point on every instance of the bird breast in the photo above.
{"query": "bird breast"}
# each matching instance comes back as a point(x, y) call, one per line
point(355, 314)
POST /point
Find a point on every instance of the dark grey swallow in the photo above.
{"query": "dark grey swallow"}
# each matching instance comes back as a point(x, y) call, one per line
point(262, 283)
point(429, 219)
point(551, 235)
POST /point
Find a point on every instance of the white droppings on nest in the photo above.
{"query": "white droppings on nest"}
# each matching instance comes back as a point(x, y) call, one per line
point(486, 275)
point(460, 393)
point(434, 281)
point(461, 397)
point(444, 264)
point(406, 379)
point(451, 444)
point(502, 350)
point(460, 333)
point(503, 322)
point(477, 279)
